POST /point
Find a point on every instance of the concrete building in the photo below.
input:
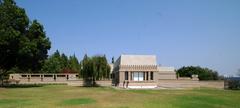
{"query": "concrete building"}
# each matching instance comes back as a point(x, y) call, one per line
point(140, 71)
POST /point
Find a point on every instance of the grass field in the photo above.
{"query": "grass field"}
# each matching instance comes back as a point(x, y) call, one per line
point(62, 96)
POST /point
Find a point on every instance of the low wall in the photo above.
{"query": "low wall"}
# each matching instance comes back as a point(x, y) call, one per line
point(178, 83)
point(69, 82)
point(190, 84)
point(212, 84)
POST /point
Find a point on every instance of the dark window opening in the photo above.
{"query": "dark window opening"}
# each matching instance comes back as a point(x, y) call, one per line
point(35, 75)
point(147, 76)
point(151, 77)
point(24, 75)
point(60, 75)
point(48, 75)
point(126, 75)
point(144, 75)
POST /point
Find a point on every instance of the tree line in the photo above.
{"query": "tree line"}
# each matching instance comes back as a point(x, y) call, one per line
point(95, 67)
point(203, 73)
point(60, 63)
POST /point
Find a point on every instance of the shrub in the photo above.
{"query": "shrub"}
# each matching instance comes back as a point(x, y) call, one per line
point(233, 83)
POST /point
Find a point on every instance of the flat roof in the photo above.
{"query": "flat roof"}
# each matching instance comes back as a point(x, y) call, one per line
point(138, 60)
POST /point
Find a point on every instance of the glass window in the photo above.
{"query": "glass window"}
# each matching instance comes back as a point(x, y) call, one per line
point(138, 76)
point(135, 76)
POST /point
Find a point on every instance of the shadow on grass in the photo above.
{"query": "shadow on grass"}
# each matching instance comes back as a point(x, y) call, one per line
point(22, 85)
point(14, 102)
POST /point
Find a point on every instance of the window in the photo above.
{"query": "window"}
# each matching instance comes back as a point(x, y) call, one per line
point(126, 75)
point(24, 75)
point(151, 76)
point(48, 75)
point(147, 76)
point(35, 75)
point(138, 76)
point(60, 75)
point(144, 75)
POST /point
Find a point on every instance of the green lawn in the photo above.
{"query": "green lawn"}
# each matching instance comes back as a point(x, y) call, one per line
point(62, 96)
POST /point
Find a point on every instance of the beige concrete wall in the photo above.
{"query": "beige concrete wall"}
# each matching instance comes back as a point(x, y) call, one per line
point(80, 83)
point(212, 84)
point(121, 77)
point(178, 84)
point(190, 84)
point(166, 75)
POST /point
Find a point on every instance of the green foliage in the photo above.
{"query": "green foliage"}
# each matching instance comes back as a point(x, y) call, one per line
point(22, 44)
point(74, 64)
point(203, 73)
point(95, 68)
point(233, 84)
point(53, 64)
point(3, 75)
point(64, 59)
point(57, 63)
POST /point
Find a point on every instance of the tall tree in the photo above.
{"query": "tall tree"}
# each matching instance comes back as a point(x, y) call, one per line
point(74, 64)
point(53, 64)
point(95, 68)
point(22, 44)
point(64, 60)
point(34, 48)
point(13, 24)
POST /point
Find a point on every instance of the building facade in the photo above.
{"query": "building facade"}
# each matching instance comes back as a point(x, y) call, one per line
point(140, 71)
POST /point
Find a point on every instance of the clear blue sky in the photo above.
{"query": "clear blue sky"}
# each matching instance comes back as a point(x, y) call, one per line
point(179, 32)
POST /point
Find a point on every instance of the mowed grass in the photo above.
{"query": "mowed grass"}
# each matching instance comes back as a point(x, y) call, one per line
point(63, 96)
